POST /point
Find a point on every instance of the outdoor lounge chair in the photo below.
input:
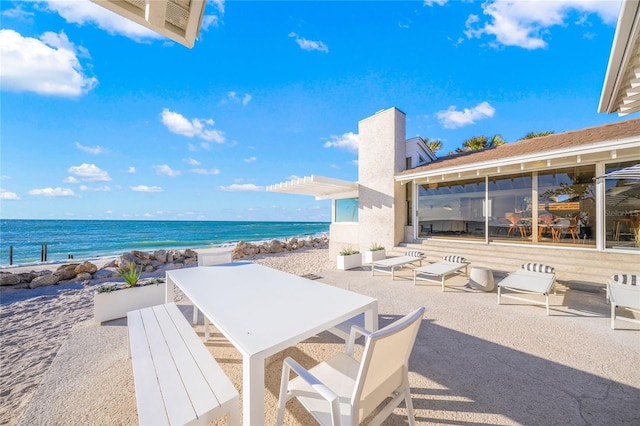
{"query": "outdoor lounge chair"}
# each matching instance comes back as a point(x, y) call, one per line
point(343, 390)
point(440, 271)
point(531, 278)
point(623, 292)
point(410, 257)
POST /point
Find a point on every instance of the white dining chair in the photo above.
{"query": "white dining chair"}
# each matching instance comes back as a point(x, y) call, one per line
point(343, 390)
point(211, 258)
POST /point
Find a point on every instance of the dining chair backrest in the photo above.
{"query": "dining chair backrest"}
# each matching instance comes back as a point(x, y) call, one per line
point(385, 363)
point(215, 257)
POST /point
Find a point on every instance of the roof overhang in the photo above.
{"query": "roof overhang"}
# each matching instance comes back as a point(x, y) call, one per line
point(318, 186)
point(621, 89)
point(621, 149)
point(180, 20)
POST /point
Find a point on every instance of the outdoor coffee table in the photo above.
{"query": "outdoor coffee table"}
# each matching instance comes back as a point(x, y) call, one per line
point(262, 311)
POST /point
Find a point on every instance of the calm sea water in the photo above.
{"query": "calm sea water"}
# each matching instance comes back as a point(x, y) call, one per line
point(89, 239)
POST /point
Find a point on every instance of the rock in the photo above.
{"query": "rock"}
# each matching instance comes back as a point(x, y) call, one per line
point(44, 280)
point(67, 272)
point(190, 261)
point(105, 273)
point(83, 276)
point(7, 278)
point(160, 256)
point(190, 253)
point(141, 255)
point(86, 267)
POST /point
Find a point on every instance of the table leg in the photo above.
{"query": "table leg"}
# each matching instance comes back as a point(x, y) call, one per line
point(253, 390)
point(169, 292)
point(371, 318)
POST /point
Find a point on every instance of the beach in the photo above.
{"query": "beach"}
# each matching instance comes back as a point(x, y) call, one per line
point(474, 362)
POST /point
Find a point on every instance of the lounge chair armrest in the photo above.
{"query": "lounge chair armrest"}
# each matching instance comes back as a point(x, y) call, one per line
point(310, 379)
point(355, 330)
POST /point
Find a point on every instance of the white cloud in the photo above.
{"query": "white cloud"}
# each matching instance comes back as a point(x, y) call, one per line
point(70, 179)
point(179, 124)
point(192, 162)
point(211, 172)
point(164, 169)
point(48, 66)
point(250, 159)
point(452, 118)
point(245, 187)
point(244, 100)
point(348, 141)
point(432, 2)
point(95, 188)
point(89, 173)
point(131, 169)
point(89, 13)
point(145, 188)
point(95, 150)
point(293, 177)
point(18, 13)
point(526, 23)
point(8, 195)
point(53, 192)
point(309, 44)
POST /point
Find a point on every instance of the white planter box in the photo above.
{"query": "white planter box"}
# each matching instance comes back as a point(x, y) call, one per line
point(116, 304)
point(371, 256)
point(349, 262)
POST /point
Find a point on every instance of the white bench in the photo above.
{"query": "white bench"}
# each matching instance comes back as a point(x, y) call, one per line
point(177, 380)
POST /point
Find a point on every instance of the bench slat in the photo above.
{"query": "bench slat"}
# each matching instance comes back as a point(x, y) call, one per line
point(211, 371)
point(144, 373)
point(203, 399)
point(174, 394)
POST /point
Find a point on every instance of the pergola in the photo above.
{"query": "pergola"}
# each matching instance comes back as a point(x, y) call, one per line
point(180, 20)
point(318, 186)
point(621, 90)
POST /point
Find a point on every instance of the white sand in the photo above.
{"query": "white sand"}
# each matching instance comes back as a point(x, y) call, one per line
point(474, 362)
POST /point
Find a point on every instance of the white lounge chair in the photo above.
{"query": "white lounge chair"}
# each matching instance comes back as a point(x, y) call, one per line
point(344, 391)
point(409, 257)
point(531, 278)
point(623, 292)
point(440, 271)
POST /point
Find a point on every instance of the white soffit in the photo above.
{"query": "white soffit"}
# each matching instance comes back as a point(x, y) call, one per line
point(179, 20)
point(318, 186)
point(621, 89)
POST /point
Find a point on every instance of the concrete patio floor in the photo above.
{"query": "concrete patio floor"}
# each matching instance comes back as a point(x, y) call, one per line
point(474, 362)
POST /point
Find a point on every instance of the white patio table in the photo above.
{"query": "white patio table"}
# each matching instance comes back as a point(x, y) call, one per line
point(263, 311)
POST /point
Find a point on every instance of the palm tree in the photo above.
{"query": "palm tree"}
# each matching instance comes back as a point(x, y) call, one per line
point(434, 145)
point(480, 142)
point(532, 135)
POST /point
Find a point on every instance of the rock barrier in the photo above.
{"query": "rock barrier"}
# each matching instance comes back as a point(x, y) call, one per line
point(151, 263)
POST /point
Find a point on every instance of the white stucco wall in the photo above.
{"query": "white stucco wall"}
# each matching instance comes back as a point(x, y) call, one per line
point(382, 200)
point(343, 235)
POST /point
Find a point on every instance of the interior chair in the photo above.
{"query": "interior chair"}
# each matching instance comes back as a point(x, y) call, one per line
point(343, 390)
point(623, 292)
point(513, 223)
point(546, 223)
point(211, 258)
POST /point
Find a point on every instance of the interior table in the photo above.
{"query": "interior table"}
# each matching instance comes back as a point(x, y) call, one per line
point(262, 311)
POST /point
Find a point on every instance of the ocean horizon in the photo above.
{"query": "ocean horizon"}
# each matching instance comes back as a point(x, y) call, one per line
point(95, 239)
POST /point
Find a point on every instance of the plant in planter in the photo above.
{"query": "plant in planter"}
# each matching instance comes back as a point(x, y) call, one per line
point(349, 258)
point(374, 253)
point(114, 300)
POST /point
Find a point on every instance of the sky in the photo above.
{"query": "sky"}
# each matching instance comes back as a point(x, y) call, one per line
point(103, 119)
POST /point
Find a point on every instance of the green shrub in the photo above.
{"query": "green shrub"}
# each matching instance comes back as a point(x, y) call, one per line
point(346, 251)
point(130, 275)
point(376, 247)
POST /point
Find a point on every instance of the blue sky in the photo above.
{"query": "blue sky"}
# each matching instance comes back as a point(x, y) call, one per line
point(102, 119)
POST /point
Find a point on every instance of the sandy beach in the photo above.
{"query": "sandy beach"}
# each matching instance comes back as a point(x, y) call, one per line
point(474, 362)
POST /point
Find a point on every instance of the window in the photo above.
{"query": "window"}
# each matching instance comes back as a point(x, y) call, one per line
point(452, 209)
point(622, 210)
point(511, 210)
point(346, 210)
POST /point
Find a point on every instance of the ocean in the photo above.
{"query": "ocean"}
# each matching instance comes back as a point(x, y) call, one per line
point(93, 239)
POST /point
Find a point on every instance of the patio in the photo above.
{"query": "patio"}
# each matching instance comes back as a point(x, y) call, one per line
point(474, 361)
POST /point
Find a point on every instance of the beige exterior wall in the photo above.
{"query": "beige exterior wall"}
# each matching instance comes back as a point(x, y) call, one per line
point(382, 200)
point(342, 235)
